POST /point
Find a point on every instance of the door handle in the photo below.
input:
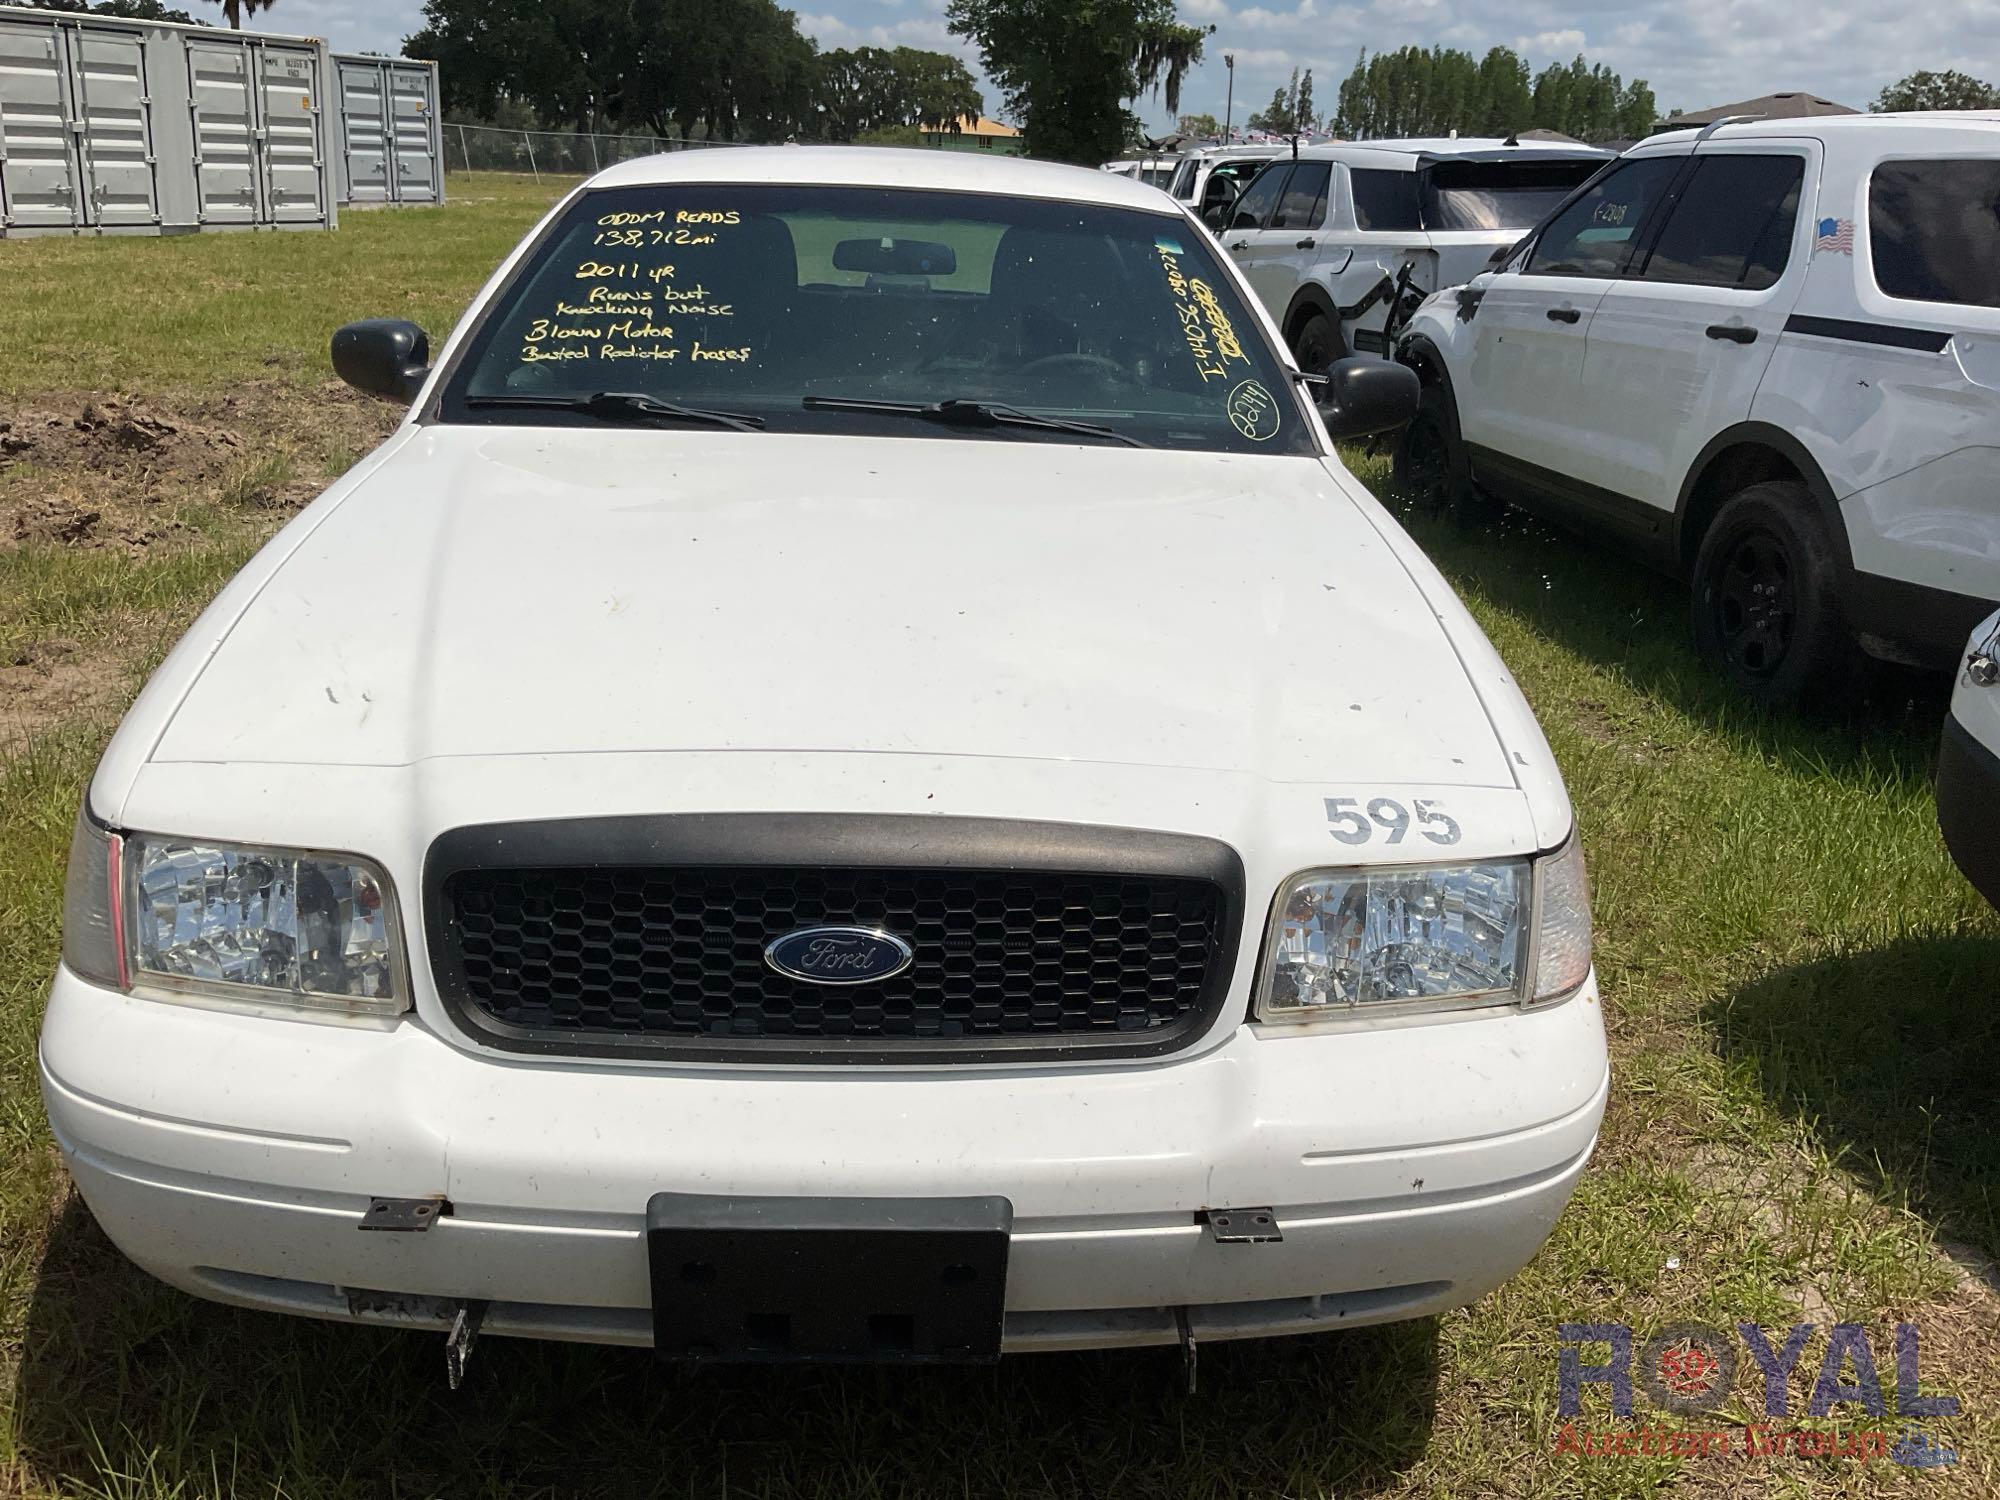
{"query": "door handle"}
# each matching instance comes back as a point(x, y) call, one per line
point(1240, 245)
point(1565, 315)
point(1306, 244)
point(1731, 332)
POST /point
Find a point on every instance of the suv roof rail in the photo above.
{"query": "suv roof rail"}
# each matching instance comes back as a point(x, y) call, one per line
point(1714, 125)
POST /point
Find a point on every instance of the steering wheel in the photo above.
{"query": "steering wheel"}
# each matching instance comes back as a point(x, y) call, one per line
point(1094, 364)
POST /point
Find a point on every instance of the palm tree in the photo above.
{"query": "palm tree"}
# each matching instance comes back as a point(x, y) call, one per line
point(235, 10)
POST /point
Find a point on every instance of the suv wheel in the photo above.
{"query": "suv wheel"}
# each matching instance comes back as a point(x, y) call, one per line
point(1318, 344)
point(1430, 466)
point(1765, 615)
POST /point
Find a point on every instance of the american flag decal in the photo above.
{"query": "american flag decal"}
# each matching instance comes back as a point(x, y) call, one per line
point(1836, 236)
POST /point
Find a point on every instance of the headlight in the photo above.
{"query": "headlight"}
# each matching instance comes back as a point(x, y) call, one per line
point(262, 926)
point(270, 926)
point(1506, 931)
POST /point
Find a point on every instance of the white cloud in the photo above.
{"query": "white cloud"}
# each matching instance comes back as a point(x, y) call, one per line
point(1551, 44)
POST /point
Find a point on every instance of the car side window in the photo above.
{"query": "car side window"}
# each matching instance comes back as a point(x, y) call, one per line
point(1384, 200)
point(1305, 197)
point(1732, 226)
point(1596, 233)
point(1258, 199)
point(1934, 230)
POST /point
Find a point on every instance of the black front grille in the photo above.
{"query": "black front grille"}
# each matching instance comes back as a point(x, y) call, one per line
point(612, 956)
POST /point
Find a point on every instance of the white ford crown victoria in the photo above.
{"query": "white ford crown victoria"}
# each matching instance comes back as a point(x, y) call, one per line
point(856, 781)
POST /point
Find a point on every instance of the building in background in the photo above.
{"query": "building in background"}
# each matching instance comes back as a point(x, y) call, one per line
point(1787, 106)
point(979, 134)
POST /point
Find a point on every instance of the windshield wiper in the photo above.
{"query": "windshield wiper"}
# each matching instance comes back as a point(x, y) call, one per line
point(625, 406)
point(972, 414)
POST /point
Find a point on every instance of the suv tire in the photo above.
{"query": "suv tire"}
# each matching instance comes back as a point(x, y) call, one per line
point(1430, 466)
point(1318, 344)
point(1766, 615)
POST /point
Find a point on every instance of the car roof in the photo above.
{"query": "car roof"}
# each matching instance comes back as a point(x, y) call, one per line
point(1234, 153)
point(1981, 121)
point(1406, 154)
point(887, 167)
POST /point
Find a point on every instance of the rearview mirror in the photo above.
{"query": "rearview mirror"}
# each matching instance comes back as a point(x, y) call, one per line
point(1362, 397)
point(389, 357)
point(893, 257)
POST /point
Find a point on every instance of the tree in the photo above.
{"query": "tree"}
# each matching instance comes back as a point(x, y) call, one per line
point(1419, 91)
point(1947, 90)
point(1201, 127)
point(1291, 108)
point(1068, 70)
point(235, 10)
point(722, 67)
point(872, 90)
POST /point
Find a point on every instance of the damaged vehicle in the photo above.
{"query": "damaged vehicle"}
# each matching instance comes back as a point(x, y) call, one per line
point(1342, 242)
point(856, 781)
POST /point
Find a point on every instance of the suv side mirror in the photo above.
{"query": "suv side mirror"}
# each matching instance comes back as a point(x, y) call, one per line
point(387, 357)
point(1362, 397)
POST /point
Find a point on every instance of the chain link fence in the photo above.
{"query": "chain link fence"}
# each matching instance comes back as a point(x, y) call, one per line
point(561, 153)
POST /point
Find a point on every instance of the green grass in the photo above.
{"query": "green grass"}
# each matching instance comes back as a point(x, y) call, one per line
point(204, 311)
point(1800, 991)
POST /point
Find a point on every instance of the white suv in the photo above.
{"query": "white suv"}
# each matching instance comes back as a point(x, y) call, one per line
point(1766, 358)
point(1343, 241)
point(1211, 178)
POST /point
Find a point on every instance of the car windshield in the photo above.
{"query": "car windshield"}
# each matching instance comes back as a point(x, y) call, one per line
point(1501, 194)
point(747, 300)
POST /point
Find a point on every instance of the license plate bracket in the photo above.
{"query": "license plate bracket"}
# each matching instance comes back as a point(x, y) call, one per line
point(828, 1280)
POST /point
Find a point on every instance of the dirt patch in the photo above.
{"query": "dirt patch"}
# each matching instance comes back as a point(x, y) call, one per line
point(97, 469)
point(55, 679)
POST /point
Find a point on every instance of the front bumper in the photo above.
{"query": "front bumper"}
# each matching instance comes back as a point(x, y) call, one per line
point(1412, 1167)
point(1968, 806)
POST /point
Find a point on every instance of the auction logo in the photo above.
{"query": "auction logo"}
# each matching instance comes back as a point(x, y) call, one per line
point(1690, 1369)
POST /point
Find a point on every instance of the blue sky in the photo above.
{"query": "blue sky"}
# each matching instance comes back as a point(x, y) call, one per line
point(1695, 52)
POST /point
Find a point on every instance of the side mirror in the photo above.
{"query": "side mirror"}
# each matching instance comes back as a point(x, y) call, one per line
point(1362, 397)
point(387, 357)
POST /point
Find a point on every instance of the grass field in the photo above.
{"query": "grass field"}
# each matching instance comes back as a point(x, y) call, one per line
point(1800, 990)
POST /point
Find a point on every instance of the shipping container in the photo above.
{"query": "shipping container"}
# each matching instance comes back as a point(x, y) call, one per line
point(391, 138)
point(111, 126)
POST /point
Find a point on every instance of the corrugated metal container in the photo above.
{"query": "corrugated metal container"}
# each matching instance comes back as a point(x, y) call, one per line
point(390, 131)
point(112, 126)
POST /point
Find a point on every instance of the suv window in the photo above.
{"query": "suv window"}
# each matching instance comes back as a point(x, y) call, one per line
point(1305, 197)
point(1733, 224)
point(1500, 194)
point(1384, 200)
point(1593, 236)
point(1934, 230)
point(1258, 199)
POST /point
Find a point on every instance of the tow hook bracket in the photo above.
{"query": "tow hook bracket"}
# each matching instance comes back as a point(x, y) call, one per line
point(1242, 1226)
point(458, 1343)
point(1187, 1346)
point(404, 1215)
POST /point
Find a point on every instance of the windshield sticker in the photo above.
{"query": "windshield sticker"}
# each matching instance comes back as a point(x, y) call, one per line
point(1253, 411)
point(1171, 247)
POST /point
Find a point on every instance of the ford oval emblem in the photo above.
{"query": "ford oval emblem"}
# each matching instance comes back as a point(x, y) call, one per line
point(839, 955)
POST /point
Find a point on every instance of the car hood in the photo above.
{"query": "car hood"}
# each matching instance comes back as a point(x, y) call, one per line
point(504, 591)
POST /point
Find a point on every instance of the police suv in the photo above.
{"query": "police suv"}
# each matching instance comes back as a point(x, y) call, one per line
point(1765, 357)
